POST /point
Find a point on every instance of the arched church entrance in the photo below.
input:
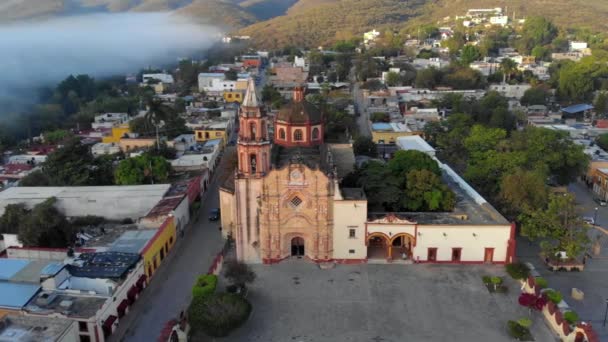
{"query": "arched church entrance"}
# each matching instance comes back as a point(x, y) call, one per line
point(297, 247)
point(401, 247)
point(377, 246)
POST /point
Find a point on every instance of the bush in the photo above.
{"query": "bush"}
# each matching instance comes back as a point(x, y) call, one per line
point(486, 279)
point(525, 322)
point(496, 280)
point(205, 285)
point(218, 314)
point(541, 283)
point(88, 220)
point(519, 332)
point(239, 273)
point(554, 296)
point(571, 317)
point(518, 270)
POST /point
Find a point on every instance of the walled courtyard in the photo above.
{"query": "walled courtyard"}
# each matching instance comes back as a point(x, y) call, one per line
point(296, 301)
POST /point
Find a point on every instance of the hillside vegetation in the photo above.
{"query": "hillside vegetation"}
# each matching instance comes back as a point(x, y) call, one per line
point(327, 22)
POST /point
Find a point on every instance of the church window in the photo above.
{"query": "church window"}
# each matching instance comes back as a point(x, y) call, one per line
point(295, 202)
point(282, 134)
point(352, 233)
point(351, 251)
point(253, 163)
point(315, 134)
point(297, 135)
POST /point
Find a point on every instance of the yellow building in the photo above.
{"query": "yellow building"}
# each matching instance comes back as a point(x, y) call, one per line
point(233, 96)
point(217, 130)
point(118, 132)
point(387, 133)
point(130, 144)
point(159, 246)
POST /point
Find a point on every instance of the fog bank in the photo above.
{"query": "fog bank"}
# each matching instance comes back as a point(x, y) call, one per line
point(39, 53)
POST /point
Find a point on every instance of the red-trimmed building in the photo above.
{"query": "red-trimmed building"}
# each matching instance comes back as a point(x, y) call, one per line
point(299, 123)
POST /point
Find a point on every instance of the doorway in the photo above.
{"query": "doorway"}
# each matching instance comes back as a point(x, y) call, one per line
point(456, 253)
point(488, 255)
point(297, 247)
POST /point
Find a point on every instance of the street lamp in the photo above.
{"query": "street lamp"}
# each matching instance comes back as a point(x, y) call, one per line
point(595, 217)
point(606, 313)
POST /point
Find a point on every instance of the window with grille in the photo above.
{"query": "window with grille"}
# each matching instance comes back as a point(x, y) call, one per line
point(295, 202)
point(297, 135)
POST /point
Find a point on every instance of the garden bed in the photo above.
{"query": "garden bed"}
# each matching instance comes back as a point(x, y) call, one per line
point(557, 265)
point(494, 284)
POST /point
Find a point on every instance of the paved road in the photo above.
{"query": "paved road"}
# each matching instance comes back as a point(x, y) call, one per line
point(170, 288)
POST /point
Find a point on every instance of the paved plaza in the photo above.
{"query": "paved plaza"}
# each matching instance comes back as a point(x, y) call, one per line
point(296, 301)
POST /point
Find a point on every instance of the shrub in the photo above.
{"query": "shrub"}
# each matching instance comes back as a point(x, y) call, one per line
point(541, 283)
point(525, 322)
point(89, 220)
point(571, 317)
point(486, 279)
point(554, 296)
point(205, 285)
point(239, 273)
point(218, 314)
point(519, 332)
point(532, 301)
point(496, 280)
point(518, 270)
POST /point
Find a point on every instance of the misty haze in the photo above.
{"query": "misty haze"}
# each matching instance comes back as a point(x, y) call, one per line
point(42, 53)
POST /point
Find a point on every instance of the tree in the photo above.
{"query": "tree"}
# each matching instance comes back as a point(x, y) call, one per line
point(558, 226)
point(365, 146)
point(42, 226)
point(143, 169)
point(239, 273)
point(470, 53)
point(218, 314)
point(405, 161)
point(534, 96)
point(393, 79)
point(56, 136)
point(602, 141)
point(540, 53)
point(508, 67)
point(536, 31)
point(35, 178)
point(424, 191)
point(270, 94)
point(231, 75)
point(463, 78)
point(382, 189)
point(140, 126)
point(379, 117)
point(428, 78)
point(601, 103)
point(523, 192)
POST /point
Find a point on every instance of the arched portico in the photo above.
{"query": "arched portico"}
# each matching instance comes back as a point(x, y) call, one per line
point(382, 246)
point(378, 246)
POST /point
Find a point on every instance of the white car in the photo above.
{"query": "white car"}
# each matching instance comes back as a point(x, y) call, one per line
point(588, 220)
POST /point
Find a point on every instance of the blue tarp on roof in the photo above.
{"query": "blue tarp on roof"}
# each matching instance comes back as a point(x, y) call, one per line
point(381, 126)
point(16, 295)
point(577, 108)
point(10, 267)
point(52, 269)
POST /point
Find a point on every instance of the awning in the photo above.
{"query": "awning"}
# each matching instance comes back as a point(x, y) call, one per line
point(141, 282)
point(107, 325)
point(132, 293)
point(122, 307)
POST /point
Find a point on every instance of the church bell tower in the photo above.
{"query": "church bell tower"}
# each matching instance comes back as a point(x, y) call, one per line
point(253, 144)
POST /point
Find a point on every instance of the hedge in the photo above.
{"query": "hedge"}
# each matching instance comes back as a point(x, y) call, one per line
point(571, 317)
point(218, 314)
point(205, 286)
point(554, 296)
point(518, 270)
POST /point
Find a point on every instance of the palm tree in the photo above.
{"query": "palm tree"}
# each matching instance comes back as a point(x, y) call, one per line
point(508, 67)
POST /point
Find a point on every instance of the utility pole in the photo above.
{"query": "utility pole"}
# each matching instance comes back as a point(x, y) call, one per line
point(157, 138)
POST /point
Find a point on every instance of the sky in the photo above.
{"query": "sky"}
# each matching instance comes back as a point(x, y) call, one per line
point(39, 53)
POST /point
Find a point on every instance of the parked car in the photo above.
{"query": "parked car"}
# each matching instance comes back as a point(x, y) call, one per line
point(214, 214)
point(588, 220)
point(601, 202)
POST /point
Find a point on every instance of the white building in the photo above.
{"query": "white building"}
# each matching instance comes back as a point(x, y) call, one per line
point(216, 81)
point(511, 91)
point(370, 36)
point(27, 159)
point(435, 62)
point(109, 120)
point(205, 157)
point(162, 77)
point(485, 68)
point(101, 149)
point(183, 143)
point(577, 46)
point(501, 20)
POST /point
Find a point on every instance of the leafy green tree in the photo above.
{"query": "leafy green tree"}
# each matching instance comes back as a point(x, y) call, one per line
point(405, 161)
point(534, 96)
point(508, 67)
point(231, 75)
point(601, 103)
point(270, 94)
point(463, 78)
point(424, 191)
point(482, 139)
point(11, 220)
point(558, 226)
point(536, 31)
point(428, 78)
point(381, 188)
point(602, 141)
point(523, 192)
point(379, 117)
point(35, 178)
point(143, 169)
point(393, 79)
point(365, 146)
point(56, 136)
point(140, 126)
point(540, 53)
point(470, 53)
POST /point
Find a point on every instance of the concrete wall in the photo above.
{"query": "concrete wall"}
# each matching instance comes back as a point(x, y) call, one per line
point(472, 239)
point(228, 213)
point(247, 191)
point(58, 254)
point(349, 215)
point(182, 214)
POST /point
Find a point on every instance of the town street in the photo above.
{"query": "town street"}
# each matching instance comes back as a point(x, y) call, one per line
point(169, 291)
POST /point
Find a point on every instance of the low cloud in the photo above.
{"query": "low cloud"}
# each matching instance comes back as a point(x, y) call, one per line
point(35, 54)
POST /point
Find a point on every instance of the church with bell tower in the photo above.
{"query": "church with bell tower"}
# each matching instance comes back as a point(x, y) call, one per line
point(281, 201)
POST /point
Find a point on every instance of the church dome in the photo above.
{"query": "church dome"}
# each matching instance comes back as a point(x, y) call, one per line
point(299, 111)
point(299, 123)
